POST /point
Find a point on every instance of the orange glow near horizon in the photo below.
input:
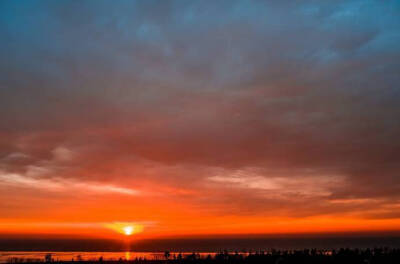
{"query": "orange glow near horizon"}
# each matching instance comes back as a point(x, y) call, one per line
point(219, 226)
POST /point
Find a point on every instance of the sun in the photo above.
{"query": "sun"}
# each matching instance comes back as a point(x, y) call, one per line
point(125, 228)
point(128, 230)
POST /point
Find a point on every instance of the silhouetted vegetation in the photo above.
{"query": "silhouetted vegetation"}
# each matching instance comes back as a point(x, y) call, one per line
point(309, 256)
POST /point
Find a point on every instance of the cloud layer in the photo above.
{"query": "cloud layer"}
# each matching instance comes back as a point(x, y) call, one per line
point(235, 108)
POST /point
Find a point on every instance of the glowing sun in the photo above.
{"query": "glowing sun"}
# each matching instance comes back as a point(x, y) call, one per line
point(128, 230)
point(125, 228)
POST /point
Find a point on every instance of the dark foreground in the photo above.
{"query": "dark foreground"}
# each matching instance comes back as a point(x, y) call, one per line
point(342, 256)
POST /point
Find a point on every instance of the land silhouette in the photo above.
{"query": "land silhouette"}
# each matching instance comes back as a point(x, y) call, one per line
point(342, 256)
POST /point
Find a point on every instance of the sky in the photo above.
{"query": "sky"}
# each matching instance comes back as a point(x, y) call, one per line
point(184, 118)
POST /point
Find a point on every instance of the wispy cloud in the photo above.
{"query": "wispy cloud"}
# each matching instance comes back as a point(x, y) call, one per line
point(310, 185)
point(55, 184)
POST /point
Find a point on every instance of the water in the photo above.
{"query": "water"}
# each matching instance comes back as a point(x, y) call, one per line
point(190, 245)
point(93, 249)
point(39, 256)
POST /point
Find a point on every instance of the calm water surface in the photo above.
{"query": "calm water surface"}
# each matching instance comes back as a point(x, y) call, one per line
point(33, 256)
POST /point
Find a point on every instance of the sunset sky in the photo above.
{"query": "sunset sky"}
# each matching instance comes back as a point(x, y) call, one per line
point(184, 118)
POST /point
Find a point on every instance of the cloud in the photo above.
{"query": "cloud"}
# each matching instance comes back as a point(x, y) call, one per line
point(221, 107)
point(62, 154)
point(306, 185)
point(55, 184)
